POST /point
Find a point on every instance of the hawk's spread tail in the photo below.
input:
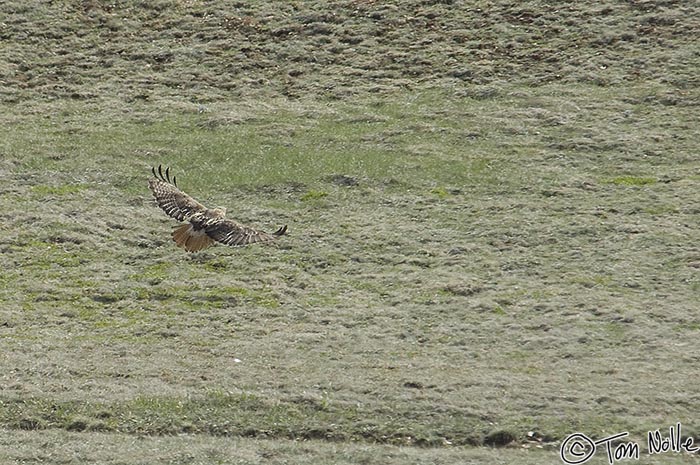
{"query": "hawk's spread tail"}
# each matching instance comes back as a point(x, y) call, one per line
point(186, 237)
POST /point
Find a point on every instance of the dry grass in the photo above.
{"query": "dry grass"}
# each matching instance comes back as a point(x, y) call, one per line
point(473, 255)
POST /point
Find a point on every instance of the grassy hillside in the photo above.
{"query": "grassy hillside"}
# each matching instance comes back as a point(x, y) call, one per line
point(203, 52)
point(493, 218)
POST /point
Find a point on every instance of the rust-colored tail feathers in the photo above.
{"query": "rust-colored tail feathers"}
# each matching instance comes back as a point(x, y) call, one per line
point(192, 241)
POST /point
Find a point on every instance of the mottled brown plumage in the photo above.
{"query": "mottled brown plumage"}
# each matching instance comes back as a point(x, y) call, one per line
point(204, 226)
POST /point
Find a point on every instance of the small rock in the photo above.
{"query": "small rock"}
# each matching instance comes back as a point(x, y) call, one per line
point(344, 180)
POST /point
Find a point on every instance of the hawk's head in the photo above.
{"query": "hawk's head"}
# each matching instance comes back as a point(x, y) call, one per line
point(219, 211)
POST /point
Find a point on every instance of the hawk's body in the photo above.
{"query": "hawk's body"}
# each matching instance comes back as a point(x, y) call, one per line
point(204, 226)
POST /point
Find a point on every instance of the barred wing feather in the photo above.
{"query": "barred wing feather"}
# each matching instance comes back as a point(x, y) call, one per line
point(171, 199)
point(232, 233)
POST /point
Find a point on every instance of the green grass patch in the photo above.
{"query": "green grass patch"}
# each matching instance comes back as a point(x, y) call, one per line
point(67, 189)
point(440, 192)
point(238, 414)
point(47, 255)
point(313, 195)
point(214, 297)
point(154, 274)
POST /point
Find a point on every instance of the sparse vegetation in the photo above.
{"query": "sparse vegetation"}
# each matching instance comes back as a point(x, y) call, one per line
point(633, 180)
point(493, 228)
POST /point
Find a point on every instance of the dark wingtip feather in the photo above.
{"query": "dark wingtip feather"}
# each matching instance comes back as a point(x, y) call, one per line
point(165, 177)
point(281, 231)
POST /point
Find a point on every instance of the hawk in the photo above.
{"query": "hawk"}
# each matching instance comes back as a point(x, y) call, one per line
point(204, 226)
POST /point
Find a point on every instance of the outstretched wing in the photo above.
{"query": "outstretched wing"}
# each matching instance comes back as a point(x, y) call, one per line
point(230, 232)
point(172, 200)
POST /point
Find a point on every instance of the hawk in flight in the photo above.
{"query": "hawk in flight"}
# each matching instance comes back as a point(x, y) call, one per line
point(204, 226)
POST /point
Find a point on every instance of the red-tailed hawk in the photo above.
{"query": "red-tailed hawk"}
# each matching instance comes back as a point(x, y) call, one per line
point(205, 225)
